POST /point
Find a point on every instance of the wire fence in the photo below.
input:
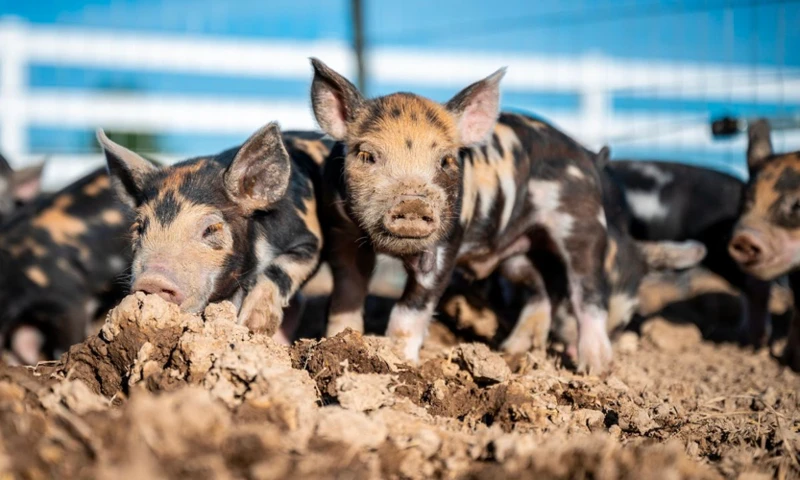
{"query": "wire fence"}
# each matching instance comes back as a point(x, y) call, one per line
point(650, 107)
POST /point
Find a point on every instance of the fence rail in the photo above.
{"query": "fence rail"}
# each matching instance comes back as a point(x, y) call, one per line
point(595, 79)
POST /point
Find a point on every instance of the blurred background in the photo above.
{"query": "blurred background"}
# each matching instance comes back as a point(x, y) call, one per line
point(175, 78)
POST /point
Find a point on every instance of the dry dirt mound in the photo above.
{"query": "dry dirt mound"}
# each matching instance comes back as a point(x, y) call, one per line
point(160, 394)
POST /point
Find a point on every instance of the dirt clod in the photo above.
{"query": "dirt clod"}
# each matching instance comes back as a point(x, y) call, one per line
point(484, 365)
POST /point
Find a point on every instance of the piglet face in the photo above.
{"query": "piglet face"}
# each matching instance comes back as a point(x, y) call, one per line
point(402, 169)
point(190, 239)
point(766, 240)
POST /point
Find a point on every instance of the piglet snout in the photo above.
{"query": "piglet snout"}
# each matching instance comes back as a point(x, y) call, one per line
point(155, 284)
point(411, 217)
point(746, 248)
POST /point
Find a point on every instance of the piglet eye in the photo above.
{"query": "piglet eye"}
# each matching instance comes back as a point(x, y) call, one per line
point(796, 206)
point(448, 161)
point(212, 229)
point(366, 157)
point(137, 228)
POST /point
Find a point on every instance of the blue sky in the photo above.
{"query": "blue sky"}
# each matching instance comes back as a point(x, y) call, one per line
point(748, 33)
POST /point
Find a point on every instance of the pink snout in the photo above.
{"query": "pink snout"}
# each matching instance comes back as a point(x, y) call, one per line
point(158, 284)
point(747, 248)
point(411, 217)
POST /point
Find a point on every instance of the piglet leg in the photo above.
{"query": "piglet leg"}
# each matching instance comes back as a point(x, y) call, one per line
point(533, 325)
point(351, 267)
point(262, 307)
point(291, 320)
point(428, 276)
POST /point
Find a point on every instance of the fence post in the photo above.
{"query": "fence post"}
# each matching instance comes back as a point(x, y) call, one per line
point(13, 85)
point(595, 101)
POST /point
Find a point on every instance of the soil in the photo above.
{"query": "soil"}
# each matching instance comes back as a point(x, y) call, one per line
point(161, 394)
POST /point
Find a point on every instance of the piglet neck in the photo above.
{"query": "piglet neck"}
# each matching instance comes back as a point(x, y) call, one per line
point(421, 263)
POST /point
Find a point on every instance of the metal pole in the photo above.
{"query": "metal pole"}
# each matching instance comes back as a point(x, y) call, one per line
point(357, 12)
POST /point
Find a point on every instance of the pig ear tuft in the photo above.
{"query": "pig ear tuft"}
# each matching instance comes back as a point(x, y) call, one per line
point(259, 174)
point(334, 99)
point(476, 108)
point(759, 147)
point(26, 183)
point(126, 168)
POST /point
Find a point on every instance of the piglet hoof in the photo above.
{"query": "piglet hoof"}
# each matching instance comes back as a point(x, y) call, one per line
point(264, 320)
point(594, 352)
point(791, 357)
point(281, 338)
point(411, 349)
point(338, 323)
point(411, 344)
point(791, 354)
point(517, 344)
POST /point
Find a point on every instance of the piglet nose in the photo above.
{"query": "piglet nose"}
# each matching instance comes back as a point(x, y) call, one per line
point(161, 286)
point(746, 248)
point(411, 217)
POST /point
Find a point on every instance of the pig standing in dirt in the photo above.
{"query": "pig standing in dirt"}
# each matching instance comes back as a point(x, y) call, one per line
point(240, 226)
point(441, 186)
point(17, 187)
point(626, 264)
point(671, 201)
point(62, 263)
point(766, 241)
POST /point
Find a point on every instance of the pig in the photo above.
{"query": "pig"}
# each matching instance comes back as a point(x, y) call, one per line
point(241, 225)
point(626, 263)
point(17, 187)
point(672, 201)
point(63, 259)
point(766, 238)
point(459, 184)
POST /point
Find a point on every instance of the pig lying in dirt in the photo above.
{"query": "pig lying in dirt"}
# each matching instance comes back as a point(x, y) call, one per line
point(670, 201)
point(62, 262)
point(766, 241)
point(440, 186)
point(240, 226)
point(17, 187)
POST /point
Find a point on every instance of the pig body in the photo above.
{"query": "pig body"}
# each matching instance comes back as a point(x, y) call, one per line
point(62, 262)
point(766, 239)
point(17, 187)
point(671, 201)
point(447, 186)
point(626, 263)
point(240, 226)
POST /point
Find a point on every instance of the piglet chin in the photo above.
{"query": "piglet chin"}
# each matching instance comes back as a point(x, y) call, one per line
point(402, 247)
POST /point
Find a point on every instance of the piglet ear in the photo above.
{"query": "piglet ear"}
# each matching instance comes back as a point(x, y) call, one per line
point(603, 157)
point(476, 108)
point(759, 148)
point(259, 174)
point(26, 183)
point(334, 99)
point(127, 169)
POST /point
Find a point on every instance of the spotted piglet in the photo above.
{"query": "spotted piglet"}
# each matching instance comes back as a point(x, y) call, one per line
point(446, 185)
point(766, 240)
point(62, 262)
point(240, 226)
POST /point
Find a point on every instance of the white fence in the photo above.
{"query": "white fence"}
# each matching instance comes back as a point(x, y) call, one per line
point(594, 78)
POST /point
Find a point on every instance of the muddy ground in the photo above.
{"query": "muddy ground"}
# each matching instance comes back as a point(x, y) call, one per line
point(160, 394)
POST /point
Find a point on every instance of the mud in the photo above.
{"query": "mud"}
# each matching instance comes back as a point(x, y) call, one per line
point(160, 394)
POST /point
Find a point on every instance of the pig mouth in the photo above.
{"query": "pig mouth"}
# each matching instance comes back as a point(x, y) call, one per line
point(769, 268)
point(401, 245)
point(408, 236)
